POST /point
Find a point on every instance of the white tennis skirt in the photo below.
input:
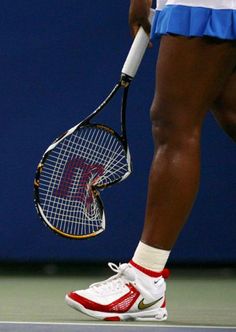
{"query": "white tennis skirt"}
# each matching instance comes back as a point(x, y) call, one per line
point(195, 18)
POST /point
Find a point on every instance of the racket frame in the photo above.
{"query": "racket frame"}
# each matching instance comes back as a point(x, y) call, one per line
point(128, 72)
point(123, 83)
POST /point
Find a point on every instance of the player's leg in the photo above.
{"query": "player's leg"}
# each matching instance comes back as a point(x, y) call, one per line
point(191, 73)
point(224, 108)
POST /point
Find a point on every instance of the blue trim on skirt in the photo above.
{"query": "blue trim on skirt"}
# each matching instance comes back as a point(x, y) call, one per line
point(195, 22)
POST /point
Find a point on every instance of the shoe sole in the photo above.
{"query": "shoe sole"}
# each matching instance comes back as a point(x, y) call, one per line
point(159, 314)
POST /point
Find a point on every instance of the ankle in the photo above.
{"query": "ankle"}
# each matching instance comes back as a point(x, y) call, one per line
point(149, 259)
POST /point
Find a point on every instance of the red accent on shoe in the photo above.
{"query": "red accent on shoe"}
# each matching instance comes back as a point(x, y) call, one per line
point(165, 273)
point(164, 304)
point(123, 304)
point(115, 318)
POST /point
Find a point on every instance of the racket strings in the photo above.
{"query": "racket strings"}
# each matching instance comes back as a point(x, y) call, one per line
point(89, 158)
point(63, 213)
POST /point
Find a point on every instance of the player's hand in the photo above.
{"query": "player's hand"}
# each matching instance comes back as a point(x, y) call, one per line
point(138, 15)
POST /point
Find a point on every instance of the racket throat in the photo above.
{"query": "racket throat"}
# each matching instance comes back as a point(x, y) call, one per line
point(125, 80)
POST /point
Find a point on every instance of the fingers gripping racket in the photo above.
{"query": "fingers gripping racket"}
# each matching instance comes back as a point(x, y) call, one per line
point(84, 160)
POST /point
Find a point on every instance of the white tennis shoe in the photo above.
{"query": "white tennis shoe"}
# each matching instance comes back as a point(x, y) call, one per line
point(128, 295)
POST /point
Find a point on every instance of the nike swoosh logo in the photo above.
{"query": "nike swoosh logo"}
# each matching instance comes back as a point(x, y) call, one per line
point(143, 305)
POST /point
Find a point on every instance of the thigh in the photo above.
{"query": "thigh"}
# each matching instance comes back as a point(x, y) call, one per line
point(191, 72)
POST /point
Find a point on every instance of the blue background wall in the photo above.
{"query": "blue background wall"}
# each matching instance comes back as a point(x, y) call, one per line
point(59, 59)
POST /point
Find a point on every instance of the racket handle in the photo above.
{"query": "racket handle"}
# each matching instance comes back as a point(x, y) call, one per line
point(137, 51)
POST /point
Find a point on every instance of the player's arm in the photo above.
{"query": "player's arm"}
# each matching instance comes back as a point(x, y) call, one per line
point(138, 15)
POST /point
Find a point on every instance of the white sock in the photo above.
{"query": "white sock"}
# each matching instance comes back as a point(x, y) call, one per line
point(150, 258)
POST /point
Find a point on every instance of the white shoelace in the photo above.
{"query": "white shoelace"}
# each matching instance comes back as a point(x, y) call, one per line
point(114, 283)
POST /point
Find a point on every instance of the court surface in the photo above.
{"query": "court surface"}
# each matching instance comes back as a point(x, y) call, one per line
point(196, 300)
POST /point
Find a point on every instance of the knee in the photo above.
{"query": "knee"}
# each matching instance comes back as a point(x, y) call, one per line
point(174, 128)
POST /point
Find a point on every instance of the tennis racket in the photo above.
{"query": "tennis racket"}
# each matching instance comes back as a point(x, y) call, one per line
point(84, 160)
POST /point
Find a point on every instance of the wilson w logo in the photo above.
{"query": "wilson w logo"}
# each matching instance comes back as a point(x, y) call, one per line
point(77, 180)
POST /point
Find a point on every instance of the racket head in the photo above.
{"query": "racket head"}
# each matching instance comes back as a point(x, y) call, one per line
point(73, 170)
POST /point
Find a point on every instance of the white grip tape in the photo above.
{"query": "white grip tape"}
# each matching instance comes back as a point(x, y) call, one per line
point(137, 51)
